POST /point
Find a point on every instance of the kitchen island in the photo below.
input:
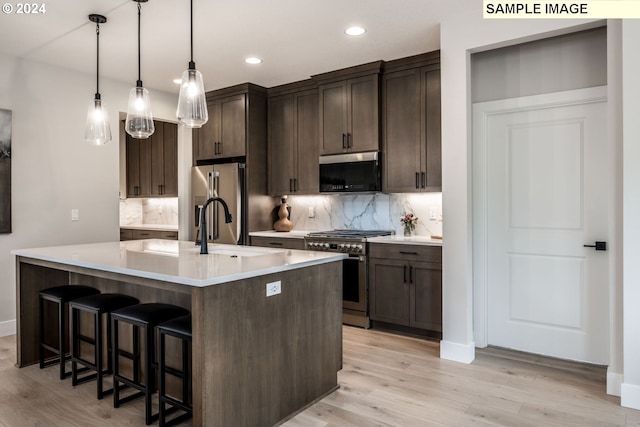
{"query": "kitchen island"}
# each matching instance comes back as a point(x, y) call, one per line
point(257, 359)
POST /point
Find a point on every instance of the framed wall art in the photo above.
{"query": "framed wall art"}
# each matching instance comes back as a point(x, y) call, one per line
point(5, 171)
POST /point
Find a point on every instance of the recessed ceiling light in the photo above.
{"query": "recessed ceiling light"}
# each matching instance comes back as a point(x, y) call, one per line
point(253, 60)
point(355, 31)
point(177, 81)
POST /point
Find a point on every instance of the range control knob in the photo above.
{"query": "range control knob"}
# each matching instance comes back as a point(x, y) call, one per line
point(341, 246)
point(359, 248)
point(326, 246)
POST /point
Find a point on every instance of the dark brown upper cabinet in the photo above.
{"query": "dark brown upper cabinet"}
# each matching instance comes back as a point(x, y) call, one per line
point(224, 134)
point(349, 109)
point(152, 163)
point(411, 138)
point(293, 148)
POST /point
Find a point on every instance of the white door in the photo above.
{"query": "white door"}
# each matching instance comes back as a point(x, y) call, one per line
point(547, 181)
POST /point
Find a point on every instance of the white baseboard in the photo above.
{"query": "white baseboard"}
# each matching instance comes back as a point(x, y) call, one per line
point(630, 396)
point(614, 383)
point(463, 353)
point(7, 328)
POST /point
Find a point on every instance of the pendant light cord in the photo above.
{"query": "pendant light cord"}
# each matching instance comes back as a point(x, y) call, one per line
point(139, 82)
point(191, 30)
point(97, 61)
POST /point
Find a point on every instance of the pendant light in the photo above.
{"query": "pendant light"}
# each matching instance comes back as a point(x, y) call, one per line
point(192, 103)
point(139, 121)
point(98, 129)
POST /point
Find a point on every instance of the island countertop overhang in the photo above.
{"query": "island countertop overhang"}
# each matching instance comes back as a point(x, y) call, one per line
point(179, 261)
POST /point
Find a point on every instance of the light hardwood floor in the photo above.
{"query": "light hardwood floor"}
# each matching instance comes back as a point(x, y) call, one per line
point(387, 380)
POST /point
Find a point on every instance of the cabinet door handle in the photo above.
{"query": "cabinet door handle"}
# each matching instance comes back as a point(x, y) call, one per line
point(405, 274)
point(290, 185)
point(410, 274)
point(417, 180)
point(220, 147)
point(136, 190)
point(295, 184)
point(349, 141)
point(344, 141)
point(424, 179)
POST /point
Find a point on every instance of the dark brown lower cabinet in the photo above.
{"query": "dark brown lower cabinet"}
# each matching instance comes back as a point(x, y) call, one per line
point(404, 290)
point(277, 242)
point(137, 234)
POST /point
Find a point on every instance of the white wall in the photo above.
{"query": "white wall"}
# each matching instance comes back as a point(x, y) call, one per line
point(631, 200)
point(53, 169)
point(462, 34)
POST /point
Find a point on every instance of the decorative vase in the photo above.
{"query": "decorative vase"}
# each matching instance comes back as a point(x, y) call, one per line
point(407, 231)
point(283, 224)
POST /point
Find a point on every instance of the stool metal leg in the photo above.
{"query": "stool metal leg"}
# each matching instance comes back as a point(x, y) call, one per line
point(161, 379)
point(149, 374)
point(97, 348)
point(116, 370)
point(61, 340)
point(41, 332)
point(75, 346)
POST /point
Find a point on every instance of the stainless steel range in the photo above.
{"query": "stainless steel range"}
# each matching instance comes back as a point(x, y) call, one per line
point(355, 286)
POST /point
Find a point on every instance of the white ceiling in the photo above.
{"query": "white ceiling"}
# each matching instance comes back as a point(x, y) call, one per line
point(295, 38)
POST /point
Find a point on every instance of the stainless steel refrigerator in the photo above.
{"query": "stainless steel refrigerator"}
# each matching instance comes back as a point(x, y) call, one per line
point(227, 182)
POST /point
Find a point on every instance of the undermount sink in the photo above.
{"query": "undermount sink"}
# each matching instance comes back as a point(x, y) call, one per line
point(241, 251)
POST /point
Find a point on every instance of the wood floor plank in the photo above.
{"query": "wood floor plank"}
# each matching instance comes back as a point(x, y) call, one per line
point(387, 381)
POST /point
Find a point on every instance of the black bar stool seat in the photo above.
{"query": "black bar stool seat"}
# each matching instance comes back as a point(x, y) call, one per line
point(98, 305)
point(60, 295)
point(180, 328)
point(146, 317)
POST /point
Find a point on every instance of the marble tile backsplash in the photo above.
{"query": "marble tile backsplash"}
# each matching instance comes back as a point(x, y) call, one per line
point(367, 211)
point(162, 211)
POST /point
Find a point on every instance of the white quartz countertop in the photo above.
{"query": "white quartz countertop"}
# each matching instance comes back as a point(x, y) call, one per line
point(180, 261)
point(293, 234)
point(151, 227)
point(409, 240)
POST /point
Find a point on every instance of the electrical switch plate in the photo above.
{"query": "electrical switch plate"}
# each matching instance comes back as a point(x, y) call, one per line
point(433, 212)
point(75, 215)
point(274, 288)
point(312, 211)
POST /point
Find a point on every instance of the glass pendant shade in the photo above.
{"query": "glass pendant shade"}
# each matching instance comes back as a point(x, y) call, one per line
point(139, 121)
point(192, 103)
point(98, 128)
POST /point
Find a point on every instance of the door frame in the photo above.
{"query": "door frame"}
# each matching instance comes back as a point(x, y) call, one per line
point(480, 218)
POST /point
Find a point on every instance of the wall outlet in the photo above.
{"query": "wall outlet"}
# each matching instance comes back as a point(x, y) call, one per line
point(75, 215)
point(274, 288)
point(312, 211)
point(433, 213)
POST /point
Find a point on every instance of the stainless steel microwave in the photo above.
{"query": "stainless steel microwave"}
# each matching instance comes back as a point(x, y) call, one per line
point(350, 173)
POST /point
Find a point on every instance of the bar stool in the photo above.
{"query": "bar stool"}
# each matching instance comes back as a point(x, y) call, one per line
point(146, 317)
point(60, 295)
point(180, 328)
point(98, 305)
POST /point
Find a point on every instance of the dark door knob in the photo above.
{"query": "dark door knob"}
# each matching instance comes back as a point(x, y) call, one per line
point(600, 246)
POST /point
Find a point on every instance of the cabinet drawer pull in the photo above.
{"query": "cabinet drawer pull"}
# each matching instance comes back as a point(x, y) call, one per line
point(275, 243)
point(408, 253)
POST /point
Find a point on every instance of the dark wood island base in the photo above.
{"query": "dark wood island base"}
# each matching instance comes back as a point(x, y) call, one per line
point(257, 360)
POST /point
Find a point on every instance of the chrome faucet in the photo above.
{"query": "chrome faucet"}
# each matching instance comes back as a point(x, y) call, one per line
point(204, 247)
